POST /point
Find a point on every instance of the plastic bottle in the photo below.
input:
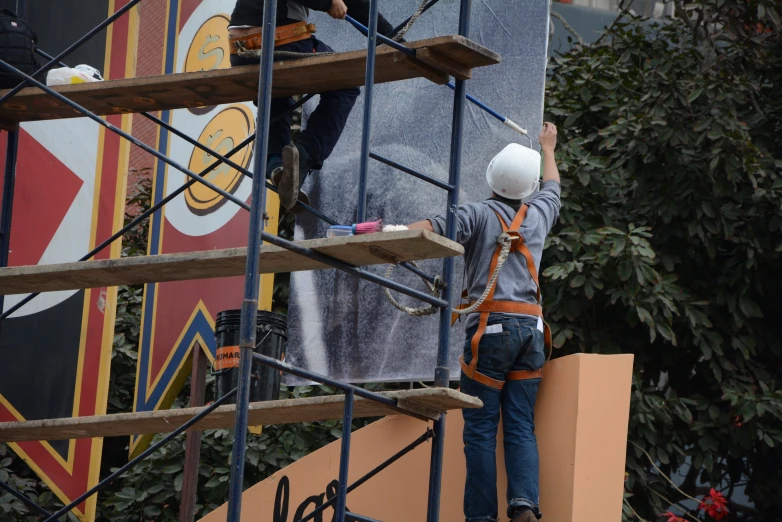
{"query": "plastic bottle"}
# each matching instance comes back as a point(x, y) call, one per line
point(339, 230)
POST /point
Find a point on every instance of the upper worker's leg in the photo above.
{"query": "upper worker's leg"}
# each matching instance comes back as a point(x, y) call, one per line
point(480, 425)
point(327, 121)
point(279, 132)
point(518, 421)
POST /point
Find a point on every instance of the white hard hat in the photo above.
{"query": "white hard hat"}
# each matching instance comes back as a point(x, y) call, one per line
point(514, 173)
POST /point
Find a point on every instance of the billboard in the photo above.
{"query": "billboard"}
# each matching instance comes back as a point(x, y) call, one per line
point(69, 197)
point(344, 327)
point(178, 317)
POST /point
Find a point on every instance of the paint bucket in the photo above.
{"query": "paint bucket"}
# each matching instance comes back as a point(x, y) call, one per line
point(271, 337)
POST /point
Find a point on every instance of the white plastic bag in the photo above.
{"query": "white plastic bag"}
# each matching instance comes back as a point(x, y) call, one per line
point(70, 76)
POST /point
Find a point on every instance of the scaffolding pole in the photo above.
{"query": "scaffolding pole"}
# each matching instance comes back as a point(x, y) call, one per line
point(252, 279)
point(442, 373)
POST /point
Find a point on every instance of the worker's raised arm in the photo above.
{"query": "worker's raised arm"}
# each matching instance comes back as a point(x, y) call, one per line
point(548, 145)
point(547, 199)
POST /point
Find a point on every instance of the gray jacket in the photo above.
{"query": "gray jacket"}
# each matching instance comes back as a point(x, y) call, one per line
point(477, 229)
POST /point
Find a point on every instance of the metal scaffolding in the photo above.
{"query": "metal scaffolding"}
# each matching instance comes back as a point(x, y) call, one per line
point(257, 236)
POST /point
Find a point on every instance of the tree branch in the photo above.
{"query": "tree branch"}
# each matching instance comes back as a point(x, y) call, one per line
point(567, 26)
point(634, 513)
point(666, 477)
point(697, 27)
point(671, 503)
point(681, 14)
point(623, 11)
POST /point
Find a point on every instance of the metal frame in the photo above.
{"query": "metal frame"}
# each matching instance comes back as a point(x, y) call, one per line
point(256, 236)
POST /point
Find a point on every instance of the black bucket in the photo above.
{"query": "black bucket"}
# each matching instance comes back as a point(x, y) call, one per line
point(271, 337)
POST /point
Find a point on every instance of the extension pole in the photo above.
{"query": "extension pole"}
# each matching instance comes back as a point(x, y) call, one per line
point(252, 279)
point(504, 119)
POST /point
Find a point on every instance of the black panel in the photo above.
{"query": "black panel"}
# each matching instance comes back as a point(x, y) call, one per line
point(59, 23)
point(40, 354)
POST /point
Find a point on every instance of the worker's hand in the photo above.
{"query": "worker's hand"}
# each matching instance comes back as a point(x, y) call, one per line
point(338, 9)
point(548, 137)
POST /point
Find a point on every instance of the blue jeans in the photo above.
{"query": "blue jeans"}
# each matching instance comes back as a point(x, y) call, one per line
point(325, 124)
point(519, 346)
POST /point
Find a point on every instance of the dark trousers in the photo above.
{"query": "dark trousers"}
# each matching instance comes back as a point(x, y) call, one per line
point(519, 346)
point(325, 124)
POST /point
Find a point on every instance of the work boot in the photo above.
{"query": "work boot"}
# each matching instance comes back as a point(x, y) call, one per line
point(524, 514)
point(272, 164)
point(295, 167)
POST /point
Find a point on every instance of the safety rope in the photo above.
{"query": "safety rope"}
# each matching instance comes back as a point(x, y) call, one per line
point(504, 239)
point(416, 312)
point(413, 19)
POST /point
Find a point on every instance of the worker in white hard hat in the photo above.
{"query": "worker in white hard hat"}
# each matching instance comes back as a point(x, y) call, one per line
point(507, 338)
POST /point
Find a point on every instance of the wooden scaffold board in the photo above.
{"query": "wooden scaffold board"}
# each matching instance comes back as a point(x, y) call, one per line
point(428, 403)
point(361, 250)
point(440, 57)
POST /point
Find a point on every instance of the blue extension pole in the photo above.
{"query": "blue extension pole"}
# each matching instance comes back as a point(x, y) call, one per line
point(252, 278)
point(504, 119)
point(369, 85)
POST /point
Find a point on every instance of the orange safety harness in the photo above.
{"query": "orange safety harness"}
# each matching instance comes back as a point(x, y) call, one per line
point(283, 35)
point(490, 305)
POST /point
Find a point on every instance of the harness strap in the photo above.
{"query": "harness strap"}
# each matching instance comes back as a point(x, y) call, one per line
point(283, 35)
point(506, 307)
point(490, 306)
point(518, 375)
point(521, 375)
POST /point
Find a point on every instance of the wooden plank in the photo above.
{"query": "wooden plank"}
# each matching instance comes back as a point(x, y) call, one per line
point(433, 400)
point(238, 84)
point(362, 250)
point(443, 63)
point(459, 49)
point(425, 71)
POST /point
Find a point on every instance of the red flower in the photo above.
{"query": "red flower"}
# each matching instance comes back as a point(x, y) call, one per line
point(715, 505)
point(672, 517)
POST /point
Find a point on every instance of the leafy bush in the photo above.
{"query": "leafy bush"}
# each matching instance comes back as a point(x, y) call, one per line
point(669, 243)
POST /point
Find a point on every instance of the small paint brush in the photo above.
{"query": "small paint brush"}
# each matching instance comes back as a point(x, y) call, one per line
point(368, 228)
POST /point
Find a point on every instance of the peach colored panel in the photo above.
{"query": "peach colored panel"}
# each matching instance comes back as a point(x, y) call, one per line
point(581, 425)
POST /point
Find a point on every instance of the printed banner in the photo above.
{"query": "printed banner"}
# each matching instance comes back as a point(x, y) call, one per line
point(180, 315)
point(69, 197)
point(344, 327)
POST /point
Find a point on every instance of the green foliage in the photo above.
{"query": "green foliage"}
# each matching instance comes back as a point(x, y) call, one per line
point(17, 475)
point(670, 238)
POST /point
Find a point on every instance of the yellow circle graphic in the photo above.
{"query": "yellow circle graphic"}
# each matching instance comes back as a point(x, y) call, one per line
point(210, 48)
point(226, 130)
